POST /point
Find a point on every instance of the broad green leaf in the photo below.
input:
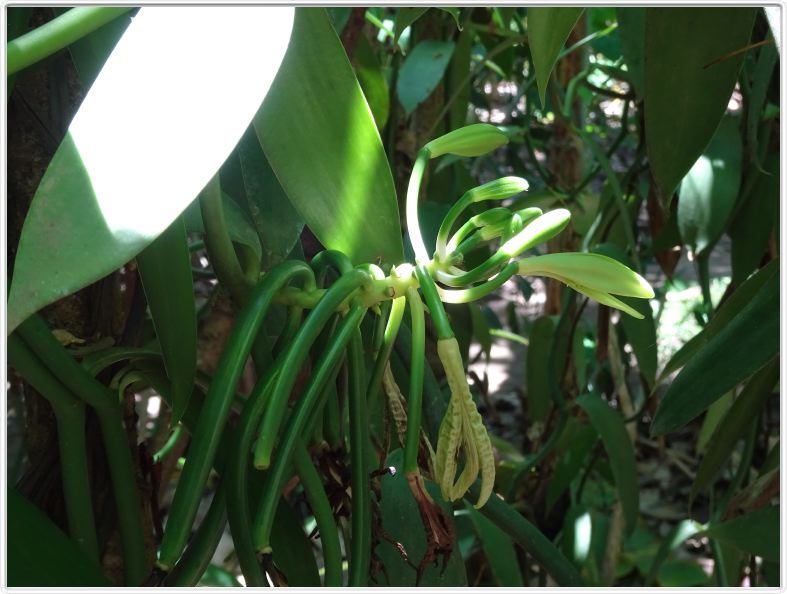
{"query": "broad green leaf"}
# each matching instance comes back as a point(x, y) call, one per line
point(710, 189)
point(406, 17)
point(321, 141)
point(767, 58)
point(238, 225)
point(480, 329)
point(735, 424)
point(547, 30)
point(292, 549)
point(278, 224)
point(538, 381)
point(218, 577)
point(641, 335)
point(372, 80)
point(681, 573)
point(402, 521)
point(756, 533)
point(631, 29)
point(577, 534)
point(456, 75)
point(717, 367)
point(499, 549)
point(40, 555)
point(753, 224)
point(723, 316)
point(689, 78)
point(422, 71)
point(165, 270)
point(609, 424)
point(713, 417)
point(160, 119)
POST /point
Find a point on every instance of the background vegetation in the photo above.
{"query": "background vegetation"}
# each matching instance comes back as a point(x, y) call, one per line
point(628, 452)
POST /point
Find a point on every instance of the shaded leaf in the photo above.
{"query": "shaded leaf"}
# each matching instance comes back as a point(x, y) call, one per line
point(165, 271)
point(713, 417)
point(538, 381)
point(422, 71)
point(454, 12)
point(456, 75)
point(756, 533)
point(735, 424)
point(681, 573)
point(277, 222)
point(372, 80)
point(577, 534)
point(292, 549)
point(499, 550)
point(40, 554)
point(717, 368)
point(631, 29)
point(547, 30)
point(753, 224)
point(238, 226)
point(135, 154)
point(609, 424)
point(406, 17)
point(321, 141)
point(686, 92)
point(580, 440)
point(90, 53)
point(402, 521)
point(710, 189)
point(677, 536)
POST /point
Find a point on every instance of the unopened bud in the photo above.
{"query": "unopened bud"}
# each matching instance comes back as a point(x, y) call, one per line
point(470, 141)
point(540, 230)
point(499, 189)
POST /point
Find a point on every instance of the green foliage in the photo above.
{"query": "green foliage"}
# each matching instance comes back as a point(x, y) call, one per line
point(548, 29)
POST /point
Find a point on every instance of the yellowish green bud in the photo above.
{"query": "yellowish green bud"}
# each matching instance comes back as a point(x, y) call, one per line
point(499, 189)
point(470, 141)
point(540, 230)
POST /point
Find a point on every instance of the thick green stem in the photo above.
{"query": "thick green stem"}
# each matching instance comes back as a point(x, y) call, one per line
point(57, 34)
point(173, 440)
point(433, 302)
point(415, 396)
point(389, 338)
point(321, 508)
point(411, 206)
point(361, 518)
point(39, 338)
point(70, 417)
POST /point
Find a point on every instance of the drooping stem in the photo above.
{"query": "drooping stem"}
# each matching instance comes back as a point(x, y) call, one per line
point(57, 34)
point(389, 338)
point(415, 396)
point(411, 206)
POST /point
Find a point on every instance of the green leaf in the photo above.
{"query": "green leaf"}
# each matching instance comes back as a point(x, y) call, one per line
point(547, 30)
point(422, 71)
point(90, 53)
point(688, 81)
point(581, 438)
point(609, 424)
point(710, 189)
point(454, 12)
point(372, 80)
point(756, 533)
point(713, 417)
point(40, 555)
point(739, 349)
point(753, 224)
point(456, 75)
point(238, 225)
point(735, 424)
point(147, 138)
point(402, 521)
point(677, 536)
point(480, 329)
point(641, 335)
point(681, 573)
point(404, 18)
point(277, 222)
point(165, 270)
point(577, 534)
point(499, 550)
point(538, 381)
point(774, 16)
point(329, 157)
point(723, 316)
point(631, 29)
point(293, 549)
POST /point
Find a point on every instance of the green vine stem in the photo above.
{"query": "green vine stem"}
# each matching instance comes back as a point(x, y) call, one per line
point(361, 518)
point(411, 206)
point(40, 339)
point(415, 396)
point(389, 338)
point(70, 418)
point(60, 32)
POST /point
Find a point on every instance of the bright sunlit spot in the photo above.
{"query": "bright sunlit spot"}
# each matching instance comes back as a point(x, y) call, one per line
point(170, 104)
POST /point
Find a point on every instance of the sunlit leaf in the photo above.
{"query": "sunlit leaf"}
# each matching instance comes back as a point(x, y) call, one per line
point(158, 122)
point(322, 143)
point(710, 189)
point(689, 77)
point(547, 30)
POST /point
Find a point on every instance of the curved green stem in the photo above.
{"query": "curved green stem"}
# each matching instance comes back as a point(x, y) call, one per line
point(217, 407)
point(192, 565)
point(411, 206)
point(321, 508)
point(299, 419)
point(291, 327)
point(221, 252)
point(174, 438)
point(473, 293)
point(361, 516)
point(415, 397)
point(294, 358)
point(433, 302)
point(70, 418)
point(384, 353)
point(38, 337)
point(57, 34)
point(333, 258)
